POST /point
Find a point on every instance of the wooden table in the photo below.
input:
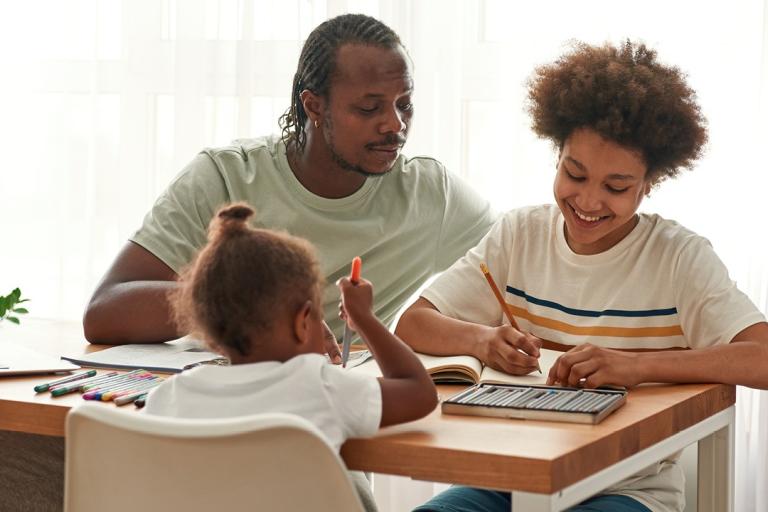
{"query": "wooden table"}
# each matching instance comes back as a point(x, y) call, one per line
point(549, 466)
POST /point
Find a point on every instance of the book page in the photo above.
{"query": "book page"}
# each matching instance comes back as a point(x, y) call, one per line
point(443, 369)
point(452, 369)
point(546, 360)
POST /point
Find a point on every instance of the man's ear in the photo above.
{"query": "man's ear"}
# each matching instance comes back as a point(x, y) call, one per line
point(302, 324)
point(314, 106)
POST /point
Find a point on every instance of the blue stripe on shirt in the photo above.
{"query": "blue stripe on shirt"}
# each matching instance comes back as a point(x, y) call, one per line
point(586, 312)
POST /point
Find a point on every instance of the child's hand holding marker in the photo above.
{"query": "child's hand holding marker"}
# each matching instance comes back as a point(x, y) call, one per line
point(356, 301)
point(356, 298)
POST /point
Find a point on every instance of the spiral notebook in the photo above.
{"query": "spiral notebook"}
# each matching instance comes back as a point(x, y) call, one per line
point(169, 357)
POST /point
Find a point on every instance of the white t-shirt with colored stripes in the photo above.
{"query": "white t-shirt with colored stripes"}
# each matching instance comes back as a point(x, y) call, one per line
point(660, 287)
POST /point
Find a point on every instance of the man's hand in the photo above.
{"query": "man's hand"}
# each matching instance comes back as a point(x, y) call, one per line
point(591, 367)
point(511, 351)
point(331, 345)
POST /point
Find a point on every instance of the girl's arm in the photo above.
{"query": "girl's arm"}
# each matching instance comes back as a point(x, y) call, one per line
point(407, 391)
point(742, 362)
point(428, 331)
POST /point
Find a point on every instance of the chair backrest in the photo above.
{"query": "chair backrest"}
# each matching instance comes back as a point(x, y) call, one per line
point(122, 460)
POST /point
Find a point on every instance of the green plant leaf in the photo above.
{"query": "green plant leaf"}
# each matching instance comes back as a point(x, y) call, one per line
point(13, 319)
point(22, 300)
point(16, 293)
point(3, 309)
point(20, 310)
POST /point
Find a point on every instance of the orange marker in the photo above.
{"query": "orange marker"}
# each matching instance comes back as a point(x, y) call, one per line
point(354, 276)
point(502, 302)
point(346, 341)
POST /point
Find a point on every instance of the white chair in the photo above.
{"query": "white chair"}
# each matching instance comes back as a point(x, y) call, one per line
point(120, 460)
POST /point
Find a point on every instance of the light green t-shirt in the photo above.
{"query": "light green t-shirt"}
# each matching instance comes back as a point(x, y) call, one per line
point(406, 225)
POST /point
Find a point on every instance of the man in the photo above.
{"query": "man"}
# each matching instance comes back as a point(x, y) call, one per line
point(335, 177)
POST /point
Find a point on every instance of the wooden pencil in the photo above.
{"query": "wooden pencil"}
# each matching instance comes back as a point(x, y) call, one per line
point(500, 299)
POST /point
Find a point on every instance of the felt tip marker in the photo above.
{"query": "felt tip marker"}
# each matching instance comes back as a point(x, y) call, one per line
point(70, 378)
point(346, 340)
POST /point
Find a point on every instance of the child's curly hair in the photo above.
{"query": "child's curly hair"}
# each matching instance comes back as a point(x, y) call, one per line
point(626, 96)
point(244, 281)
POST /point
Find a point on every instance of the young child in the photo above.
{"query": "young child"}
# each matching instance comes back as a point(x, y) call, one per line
point(254, 295)
point(591, 272)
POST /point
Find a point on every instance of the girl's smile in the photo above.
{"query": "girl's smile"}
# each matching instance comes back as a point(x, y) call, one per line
point(599, 187)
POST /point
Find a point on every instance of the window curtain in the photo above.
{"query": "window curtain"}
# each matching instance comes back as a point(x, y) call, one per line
point(102, 102)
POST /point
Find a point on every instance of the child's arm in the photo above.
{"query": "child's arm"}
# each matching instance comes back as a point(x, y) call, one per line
point(407, 391)
point(428, 331)
point(743, 362)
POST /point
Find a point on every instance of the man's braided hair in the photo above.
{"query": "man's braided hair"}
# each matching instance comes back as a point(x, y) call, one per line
point(317, 64)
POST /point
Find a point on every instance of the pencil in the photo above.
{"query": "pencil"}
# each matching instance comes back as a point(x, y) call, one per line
point(502, 302)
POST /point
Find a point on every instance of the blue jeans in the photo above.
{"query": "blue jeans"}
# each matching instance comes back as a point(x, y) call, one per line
point(468, 499)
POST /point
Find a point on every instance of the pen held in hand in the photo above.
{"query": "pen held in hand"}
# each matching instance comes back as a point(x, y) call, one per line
point(501, 301)
point(346, 340)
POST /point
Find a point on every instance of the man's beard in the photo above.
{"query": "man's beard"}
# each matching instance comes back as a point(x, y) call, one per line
point(345, 164)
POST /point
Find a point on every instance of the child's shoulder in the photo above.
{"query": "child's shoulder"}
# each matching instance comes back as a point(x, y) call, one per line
point(667, 242)
point(669, 231)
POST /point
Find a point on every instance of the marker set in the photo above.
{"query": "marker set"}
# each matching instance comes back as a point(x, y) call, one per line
point(121, 388)
point(536, 402)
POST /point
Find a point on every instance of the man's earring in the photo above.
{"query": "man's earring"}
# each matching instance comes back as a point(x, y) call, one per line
point(317, 123)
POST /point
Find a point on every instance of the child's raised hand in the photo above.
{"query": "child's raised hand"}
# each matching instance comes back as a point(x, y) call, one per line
point(511, 351)
point(356, 301)
point(590, 366)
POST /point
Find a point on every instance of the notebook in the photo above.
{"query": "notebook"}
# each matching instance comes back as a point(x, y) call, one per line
point(169, 357)
point(18, 360)
point(469, 370)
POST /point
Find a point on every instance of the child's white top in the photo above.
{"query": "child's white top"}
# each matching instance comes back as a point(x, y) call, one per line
point(662, 286)
point(340, 403)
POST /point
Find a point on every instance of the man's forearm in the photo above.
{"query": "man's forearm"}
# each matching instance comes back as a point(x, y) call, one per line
point(132, 312)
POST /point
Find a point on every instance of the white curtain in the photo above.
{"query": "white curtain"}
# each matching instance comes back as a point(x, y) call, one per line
point(103, 101)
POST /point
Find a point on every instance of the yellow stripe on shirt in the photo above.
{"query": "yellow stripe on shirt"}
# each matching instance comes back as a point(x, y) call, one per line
point(586, 330)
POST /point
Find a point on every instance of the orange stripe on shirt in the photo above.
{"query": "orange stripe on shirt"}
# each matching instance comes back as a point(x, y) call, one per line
point(625, 332)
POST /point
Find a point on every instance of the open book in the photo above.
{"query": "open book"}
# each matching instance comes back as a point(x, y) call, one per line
point(469, 370)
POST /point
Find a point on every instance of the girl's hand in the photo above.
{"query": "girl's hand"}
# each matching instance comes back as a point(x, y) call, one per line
point(510, 351)
point(591, 367)
point(356, 301)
